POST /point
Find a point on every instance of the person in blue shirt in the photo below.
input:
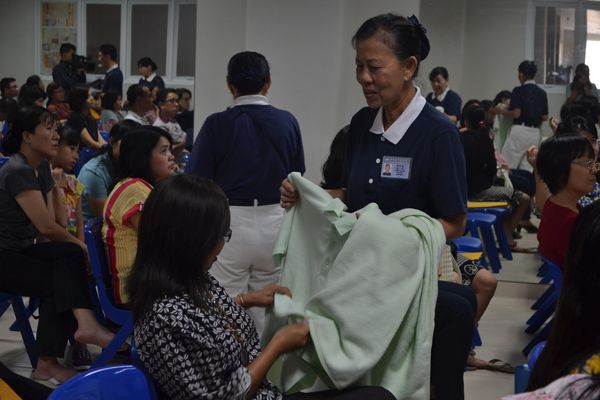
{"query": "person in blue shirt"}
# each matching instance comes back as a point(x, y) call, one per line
point(150, 79)
point(442, 98)
point(428, 170)
point(529, 109)
point(248, 150)
point(113, 78)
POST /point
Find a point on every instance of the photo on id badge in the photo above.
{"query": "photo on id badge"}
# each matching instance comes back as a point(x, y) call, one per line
point(396, 167)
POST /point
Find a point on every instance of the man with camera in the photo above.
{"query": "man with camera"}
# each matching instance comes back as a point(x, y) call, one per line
point(70, 71)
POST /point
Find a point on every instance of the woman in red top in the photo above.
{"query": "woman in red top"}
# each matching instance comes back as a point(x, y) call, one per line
point(567, 165)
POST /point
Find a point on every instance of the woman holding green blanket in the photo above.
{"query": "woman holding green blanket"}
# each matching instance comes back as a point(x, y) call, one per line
point(427, 170)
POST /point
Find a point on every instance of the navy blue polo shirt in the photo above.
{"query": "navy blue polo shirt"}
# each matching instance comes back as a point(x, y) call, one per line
point(436, 183)
point(452, 103)
point(113, 81)
point(533, 103)
point(248, 150)
point(157, 81)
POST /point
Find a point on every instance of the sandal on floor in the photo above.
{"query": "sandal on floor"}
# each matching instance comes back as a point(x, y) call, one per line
point(44, 380)
point(529, 228)
point(500, 366)
point(528, 250)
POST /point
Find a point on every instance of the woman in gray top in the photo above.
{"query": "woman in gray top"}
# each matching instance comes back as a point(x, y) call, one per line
point(38, 257)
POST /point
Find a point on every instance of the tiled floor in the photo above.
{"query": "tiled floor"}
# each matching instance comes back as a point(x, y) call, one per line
point(501, 328)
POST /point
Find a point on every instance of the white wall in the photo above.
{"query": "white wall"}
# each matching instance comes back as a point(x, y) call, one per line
point(445, 22)
point(17, 40)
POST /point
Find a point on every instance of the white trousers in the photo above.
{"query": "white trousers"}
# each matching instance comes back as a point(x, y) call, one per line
point(520, 138)
point(246, 262)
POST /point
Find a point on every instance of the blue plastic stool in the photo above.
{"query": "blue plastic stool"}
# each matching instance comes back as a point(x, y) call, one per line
point(122, 382)
point(467, 244)
point(3, 160)
point(499, 230)
point(485, 223)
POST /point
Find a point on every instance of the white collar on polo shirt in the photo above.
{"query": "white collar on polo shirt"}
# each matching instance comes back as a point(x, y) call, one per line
point(250, 99)
point(442, 96)
point(398, 129)
point(114, 66)
point(530, 81)
point(149, 79)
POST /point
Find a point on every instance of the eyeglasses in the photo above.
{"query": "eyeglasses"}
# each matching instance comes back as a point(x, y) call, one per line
point(173, 101)
point(589, 164)
point(227, 236)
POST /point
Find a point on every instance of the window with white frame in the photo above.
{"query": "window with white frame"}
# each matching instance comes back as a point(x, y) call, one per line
point(566, 33)
point(164, 30)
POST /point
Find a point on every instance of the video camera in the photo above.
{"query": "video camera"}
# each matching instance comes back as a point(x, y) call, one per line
point(83, 63)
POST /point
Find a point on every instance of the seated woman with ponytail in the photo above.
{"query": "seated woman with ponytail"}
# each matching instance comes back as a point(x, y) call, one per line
point(481, 171)
point(38, 257)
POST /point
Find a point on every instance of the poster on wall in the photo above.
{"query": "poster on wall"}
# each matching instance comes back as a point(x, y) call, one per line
point(59, 25)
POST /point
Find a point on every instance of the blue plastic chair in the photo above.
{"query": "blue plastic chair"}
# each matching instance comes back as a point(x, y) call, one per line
point(121, 382)
point(522, 374)
point(548, 301)
point(22, 323)
point(484, 223)
point(85, 155)
point(101, 272)
point(534, 354)
point(105, 135)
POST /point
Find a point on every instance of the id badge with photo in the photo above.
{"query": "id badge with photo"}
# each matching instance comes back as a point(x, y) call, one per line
point(396, 167)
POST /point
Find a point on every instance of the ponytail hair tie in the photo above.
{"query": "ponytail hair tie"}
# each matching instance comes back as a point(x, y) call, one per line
point(425, 46)
point(481, 123)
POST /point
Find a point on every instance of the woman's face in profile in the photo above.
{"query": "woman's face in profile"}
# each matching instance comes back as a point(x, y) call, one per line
point(380, 73)
point(162, 162)
point(439, 84)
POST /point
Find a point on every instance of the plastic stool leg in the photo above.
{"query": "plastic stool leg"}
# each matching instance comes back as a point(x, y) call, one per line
point(490, 247)
point(542, 335)
point(543, 298)
point(542, 314)
point(25, 328)
point(502, 239)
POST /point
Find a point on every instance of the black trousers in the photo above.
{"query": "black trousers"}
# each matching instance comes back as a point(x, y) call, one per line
point(358, 393)
point(56, 274)
point(25, 388)
point(454, 320)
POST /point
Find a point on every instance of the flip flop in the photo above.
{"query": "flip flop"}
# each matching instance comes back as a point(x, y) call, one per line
point(527, 250)
point(500, 366)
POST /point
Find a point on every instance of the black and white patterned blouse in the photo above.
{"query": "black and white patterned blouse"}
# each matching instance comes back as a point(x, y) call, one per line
point(191, 352)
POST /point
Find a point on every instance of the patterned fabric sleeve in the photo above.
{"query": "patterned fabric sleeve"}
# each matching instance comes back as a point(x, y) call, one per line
point(184, 360)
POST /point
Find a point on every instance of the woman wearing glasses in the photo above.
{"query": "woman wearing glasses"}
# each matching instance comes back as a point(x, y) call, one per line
point(567, 165)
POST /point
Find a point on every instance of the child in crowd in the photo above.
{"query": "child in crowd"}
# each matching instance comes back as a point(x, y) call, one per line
point(68, 189)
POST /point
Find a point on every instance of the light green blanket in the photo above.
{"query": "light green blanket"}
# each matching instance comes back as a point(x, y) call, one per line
point(367, 287)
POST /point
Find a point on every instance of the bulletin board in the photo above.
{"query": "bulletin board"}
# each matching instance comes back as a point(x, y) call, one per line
point(58, 26)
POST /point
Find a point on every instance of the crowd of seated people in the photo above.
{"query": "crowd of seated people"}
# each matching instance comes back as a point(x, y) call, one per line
point(133, 182)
